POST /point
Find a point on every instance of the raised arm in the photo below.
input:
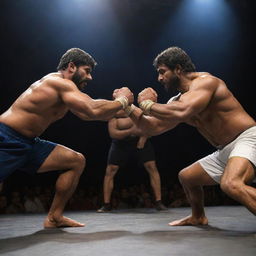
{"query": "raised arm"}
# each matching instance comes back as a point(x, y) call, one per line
point(87, 108)
point(147, 124)
point(164, 117)
point(151, 126)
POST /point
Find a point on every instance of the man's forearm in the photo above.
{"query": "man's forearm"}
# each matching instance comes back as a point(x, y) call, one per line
point(154, 124)
point(144, 123)
point(97, 110)
point(105, 109)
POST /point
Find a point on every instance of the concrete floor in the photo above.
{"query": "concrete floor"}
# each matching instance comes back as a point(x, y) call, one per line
point(231, 231)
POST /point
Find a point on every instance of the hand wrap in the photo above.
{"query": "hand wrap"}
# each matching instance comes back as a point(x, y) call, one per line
point(129, 109)
point(146, 105)
point(123, 100)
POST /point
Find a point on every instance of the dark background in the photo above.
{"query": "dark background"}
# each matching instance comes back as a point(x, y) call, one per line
point(124, 36)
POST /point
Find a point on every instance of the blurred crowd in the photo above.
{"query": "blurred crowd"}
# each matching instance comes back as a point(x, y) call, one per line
point(38, 199)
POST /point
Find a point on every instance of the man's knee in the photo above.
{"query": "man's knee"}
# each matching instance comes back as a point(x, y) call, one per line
point(231, 186)
point(184, 176)
point(187, 178)
point(79, 161)
point(112, 170)
point(150, 166)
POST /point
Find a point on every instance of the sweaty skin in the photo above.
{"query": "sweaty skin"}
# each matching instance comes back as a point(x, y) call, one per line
point(207, 104)
point(46, 101)
point(122, 127)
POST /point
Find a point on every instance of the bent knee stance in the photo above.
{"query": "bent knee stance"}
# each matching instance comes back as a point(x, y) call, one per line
point(183, 176)
point(231, 187)
point(78, 161)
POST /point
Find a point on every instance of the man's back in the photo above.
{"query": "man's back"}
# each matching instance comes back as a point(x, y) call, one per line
point(37, 107)
point(223, 118)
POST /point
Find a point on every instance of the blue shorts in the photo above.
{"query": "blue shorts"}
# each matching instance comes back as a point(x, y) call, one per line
point(18, 152)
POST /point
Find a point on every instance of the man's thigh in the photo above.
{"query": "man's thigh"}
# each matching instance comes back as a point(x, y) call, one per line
point(119, 154)
point(196, 175)
point(61, 158)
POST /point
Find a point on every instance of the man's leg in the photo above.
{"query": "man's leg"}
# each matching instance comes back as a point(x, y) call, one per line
point(238, 173)
point(155, 182)
point(73, 163)
point(193, 178)
point(108, 186)
point(154, 176)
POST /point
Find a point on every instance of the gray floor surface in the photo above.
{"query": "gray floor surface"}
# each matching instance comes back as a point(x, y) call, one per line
point(231, 231)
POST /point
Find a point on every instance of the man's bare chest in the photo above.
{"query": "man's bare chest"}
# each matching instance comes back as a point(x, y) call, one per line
point(202, 119)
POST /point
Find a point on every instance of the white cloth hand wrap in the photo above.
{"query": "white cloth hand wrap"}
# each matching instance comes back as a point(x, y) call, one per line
point(146, 105)
point(123, 100)
point(129, 109)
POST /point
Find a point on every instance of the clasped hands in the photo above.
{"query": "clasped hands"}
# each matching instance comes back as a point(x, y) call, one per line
point(146, 98)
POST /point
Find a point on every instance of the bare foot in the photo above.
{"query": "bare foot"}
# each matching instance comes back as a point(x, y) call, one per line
point(190, 221)
point(61, 223)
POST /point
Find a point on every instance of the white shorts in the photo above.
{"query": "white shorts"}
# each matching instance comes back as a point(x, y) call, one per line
point(243, 146)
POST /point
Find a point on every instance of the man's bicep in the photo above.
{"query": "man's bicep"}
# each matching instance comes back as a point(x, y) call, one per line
point(77, 102)
point(74, 98)
point(196, 101)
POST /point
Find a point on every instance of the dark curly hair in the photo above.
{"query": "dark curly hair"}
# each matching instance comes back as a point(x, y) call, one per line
point(78, 57)
point(172, 57)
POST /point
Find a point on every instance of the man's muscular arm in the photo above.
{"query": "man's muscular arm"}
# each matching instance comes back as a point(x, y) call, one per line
point(164, 117)
point(151, 126)
point(148, 124)
point(87, 108)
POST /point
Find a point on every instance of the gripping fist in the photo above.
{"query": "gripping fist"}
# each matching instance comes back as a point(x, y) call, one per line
point(124, 92)
point(147, 94)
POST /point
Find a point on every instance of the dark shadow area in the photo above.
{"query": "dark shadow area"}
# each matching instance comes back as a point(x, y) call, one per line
point(63, 236)
point(56, 235)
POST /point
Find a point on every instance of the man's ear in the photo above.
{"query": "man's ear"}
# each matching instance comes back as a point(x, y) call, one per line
point(178, 69)
point(72, 67)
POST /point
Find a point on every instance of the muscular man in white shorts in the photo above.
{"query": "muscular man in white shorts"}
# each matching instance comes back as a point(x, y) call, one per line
point(205, 103)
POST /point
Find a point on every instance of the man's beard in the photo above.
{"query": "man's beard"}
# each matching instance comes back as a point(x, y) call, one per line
point(173, 84)
point(77, 79)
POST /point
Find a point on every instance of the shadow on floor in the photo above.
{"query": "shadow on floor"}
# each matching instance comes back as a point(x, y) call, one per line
point(63, 236)
point(56, 235)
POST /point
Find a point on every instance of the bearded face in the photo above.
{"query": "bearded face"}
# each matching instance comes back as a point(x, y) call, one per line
point(79, 80)
point(172, 84)
point(168, 78)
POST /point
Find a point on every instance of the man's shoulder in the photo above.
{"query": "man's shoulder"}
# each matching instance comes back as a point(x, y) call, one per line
point(56, 81)
point(214, 85)
point(205, 77)
point(207, 80)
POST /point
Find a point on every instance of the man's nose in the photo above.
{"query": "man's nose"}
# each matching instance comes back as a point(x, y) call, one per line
point(160, 78)
point(89, 77)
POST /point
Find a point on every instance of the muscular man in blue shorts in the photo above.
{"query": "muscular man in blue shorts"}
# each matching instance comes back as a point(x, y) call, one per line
point(44, 102)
